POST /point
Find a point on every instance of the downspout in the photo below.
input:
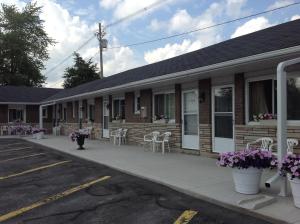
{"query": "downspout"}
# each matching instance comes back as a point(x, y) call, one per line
point(282, 121)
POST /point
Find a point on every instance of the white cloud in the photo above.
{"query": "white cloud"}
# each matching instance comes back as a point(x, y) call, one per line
point(294, 17)
point(180, 20)
point(234, 8)
point(18, 3)
point(108, 4)
point(171, 50)
point(251, 26)
point(280, 3)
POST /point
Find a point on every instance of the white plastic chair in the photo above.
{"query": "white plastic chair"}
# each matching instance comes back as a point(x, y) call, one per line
point(291, 143)
point(123, 136)
point(116, 134)
point(162, 140)
point(4, 129)
point(149, 139)
point(265, 143)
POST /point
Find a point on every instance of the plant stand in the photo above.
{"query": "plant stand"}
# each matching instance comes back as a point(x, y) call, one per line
point(247, 181)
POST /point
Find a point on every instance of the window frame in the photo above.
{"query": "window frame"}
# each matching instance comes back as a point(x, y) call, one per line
point(247, 95)
point(171, 121)
point(136, 96)
point(17, 107)
point(113, 107)
point(46, 112)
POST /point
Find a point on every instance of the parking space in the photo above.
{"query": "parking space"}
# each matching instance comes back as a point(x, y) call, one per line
point(41, 185)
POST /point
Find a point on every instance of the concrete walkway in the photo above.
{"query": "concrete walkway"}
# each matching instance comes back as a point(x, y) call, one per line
point(195, 175)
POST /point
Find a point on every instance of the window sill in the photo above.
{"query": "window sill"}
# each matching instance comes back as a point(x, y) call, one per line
point(163, 121)
point(274, 123)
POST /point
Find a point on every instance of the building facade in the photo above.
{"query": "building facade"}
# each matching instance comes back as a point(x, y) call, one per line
point(208, 99)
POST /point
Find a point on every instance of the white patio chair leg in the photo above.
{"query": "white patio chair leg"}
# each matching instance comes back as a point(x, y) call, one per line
point(163, 148)
point(169, 147)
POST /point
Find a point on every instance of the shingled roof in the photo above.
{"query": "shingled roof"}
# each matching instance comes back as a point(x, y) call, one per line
point(24, 94)
point(274, 38)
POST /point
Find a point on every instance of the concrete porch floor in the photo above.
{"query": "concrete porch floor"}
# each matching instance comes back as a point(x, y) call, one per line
point(195, 175)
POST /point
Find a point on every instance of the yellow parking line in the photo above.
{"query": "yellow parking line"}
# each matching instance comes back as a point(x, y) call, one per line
point(34, 169)
point(50, 199)
point(17, 149)
point(21, 157)
point(185, 217)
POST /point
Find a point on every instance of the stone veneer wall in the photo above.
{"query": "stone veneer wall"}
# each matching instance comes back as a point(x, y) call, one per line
point(67, 128)
point(205, 138)
point(248, 133)
point(136, 132)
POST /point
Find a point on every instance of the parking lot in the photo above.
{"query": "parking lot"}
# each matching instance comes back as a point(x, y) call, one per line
point(41, 185)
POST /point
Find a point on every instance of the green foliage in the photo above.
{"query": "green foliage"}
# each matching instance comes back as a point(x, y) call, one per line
point(23, 45)
point(81, 72)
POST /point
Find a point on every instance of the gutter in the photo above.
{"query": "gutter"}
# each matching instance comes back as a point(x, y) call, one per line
point(189, 73)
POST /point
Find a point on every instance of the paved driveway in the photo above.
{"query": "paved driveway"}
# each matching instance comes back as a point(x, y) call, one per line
point(40, 185)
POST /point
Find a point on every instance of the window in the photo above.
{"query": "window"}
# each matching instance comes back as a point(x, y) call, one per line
point(45, 112)
point(263, 98)
point(15, 115)
point(137, 103)
point(92, 112)
point(164, 106)
point(119, 109)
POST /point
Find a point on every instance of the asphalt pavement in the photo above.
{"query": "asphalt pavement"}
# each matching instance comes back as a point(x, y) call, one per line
point(41, 185)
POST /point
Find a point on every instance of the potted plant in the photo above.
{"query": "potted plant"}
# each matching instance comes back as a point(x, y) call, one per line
point(79, 137)
point(247, 166)
point(38, 133)
point(290, 167)
point(265, 119)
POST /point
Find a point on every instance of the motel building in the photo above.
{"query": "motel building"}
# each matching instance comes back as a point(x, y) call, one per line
point(206, 98)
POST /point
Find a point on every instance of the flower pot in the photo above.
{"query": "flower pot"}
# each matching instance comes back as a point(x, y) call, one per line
point(295, 185)
point(247, 181)
point(80, 141)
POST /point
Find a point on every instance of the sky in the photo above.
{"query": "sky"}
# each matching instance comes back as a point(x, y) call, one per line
point(73, 22)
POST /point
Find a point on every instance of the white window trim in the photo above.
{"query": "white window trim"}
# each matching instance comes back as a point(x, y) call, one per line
point(136, 96)
point(171, 121)
point(261, 78)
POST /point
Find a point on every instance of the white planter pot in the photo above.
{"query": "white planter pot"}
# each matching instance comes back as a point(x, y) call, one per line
point(247, 181)
point(295, 185)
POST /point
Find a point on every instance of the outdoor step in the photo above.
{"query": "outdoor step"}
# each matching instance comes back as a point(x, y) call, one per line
point(256, 202)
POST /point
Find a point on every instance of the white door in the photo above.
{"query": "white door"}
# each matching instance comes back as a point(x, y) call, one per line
point(223, 119)
point(190, 137)
point(105, 119)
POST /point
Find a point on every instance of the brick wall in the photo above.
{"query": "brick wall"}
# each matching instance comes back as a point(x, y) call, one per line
point(130, 115)
point(178, 104)
point(98, 110)
point(32, 113)
point(239, 95)
point(146, 101)
point(3, 113)
point(136, 131)
point(205, 130)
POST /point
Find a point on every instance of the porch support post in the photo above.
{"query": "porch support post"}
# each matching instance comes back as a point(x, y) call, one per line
point(41, 116)
point(282, 115)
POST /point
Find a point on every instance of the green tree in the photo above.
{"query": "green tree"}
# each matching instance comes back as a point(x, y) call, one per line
point(81, 72)
point(23, 45)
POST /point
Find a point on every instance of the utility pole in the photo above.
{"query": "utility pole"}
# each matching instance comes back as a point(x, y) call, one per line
point(100, 36)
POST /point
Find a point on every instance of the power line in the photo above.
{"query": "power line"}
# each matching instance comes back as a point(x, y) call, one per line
point(201, 29)
point(109, 25)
